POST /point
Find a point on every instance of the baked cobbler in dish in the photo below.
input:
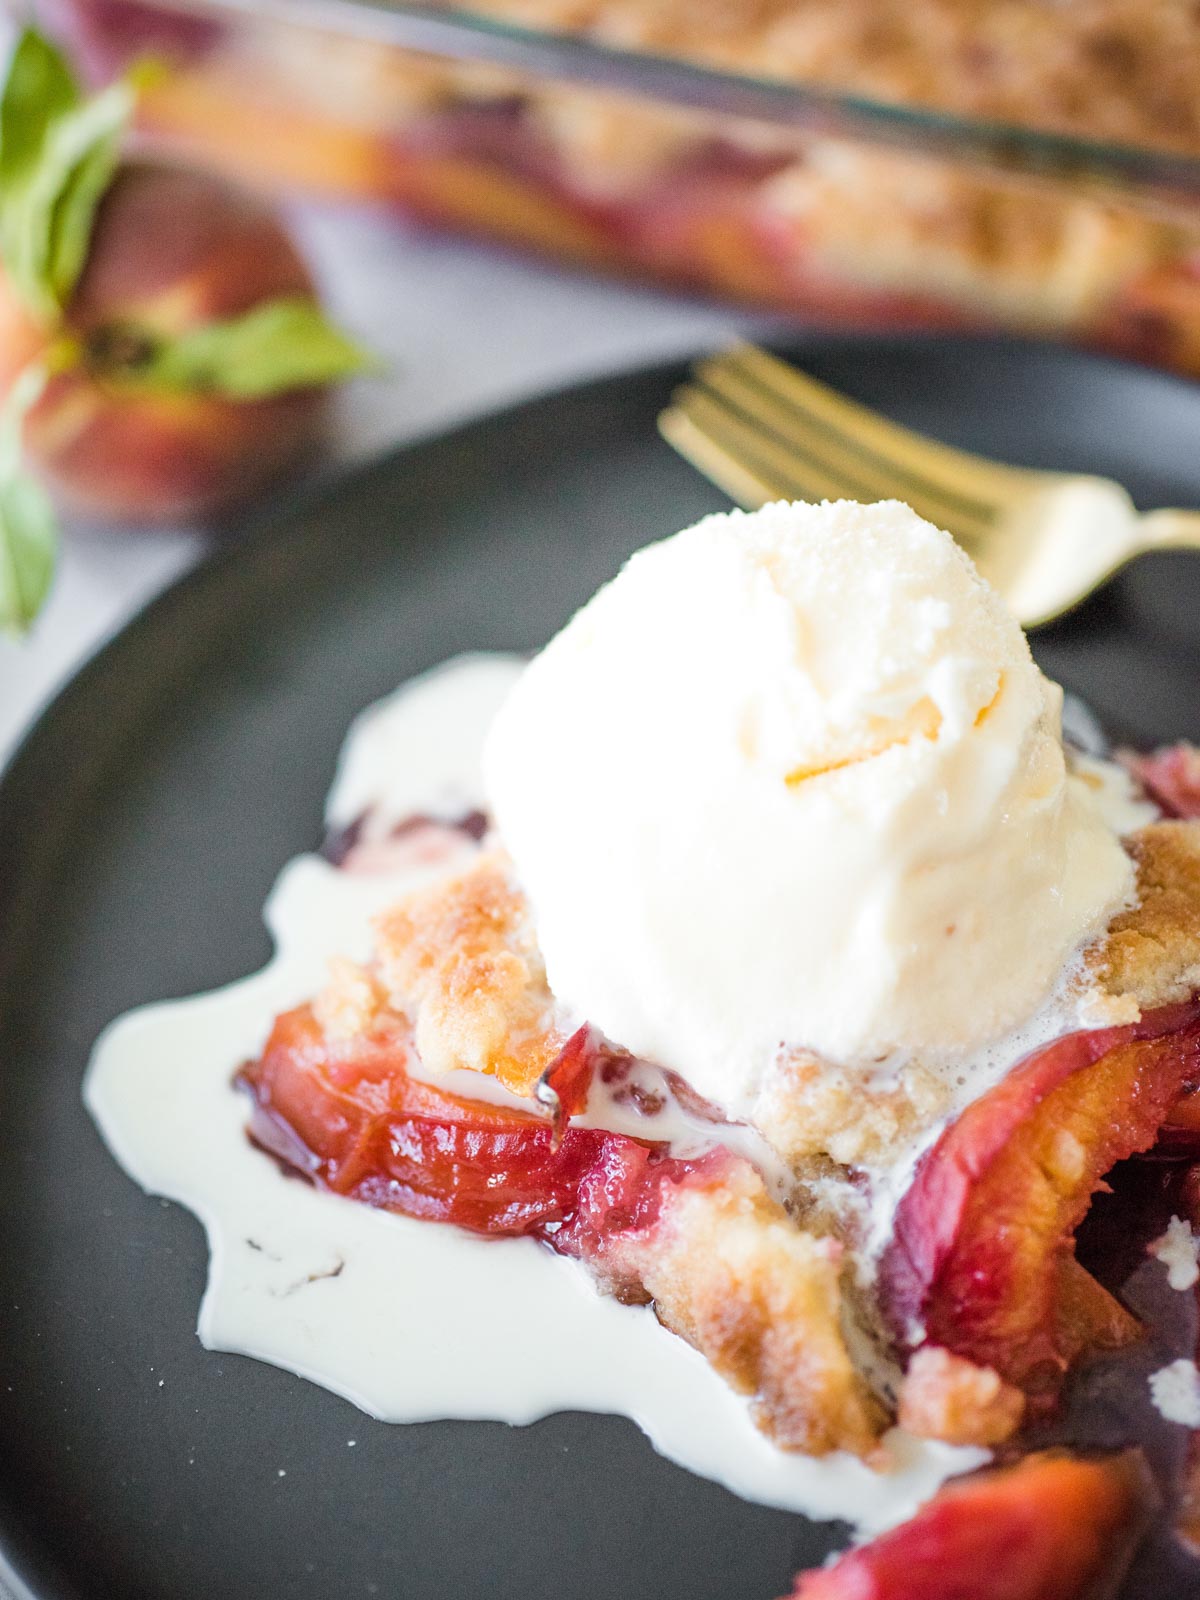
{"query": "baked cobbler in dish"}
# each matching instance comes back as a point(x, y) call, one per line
point(806, 223)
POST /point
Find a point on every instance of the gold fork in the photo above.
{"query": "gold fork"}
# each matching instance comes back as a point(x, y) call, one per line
point(762, 431)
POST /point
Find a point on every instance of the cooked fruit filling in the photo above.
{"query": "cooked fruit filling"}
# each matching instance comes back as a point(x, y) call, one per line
point(351, 1115)
point(982, 1259)
point(1053, 1527)
point(700, 1236)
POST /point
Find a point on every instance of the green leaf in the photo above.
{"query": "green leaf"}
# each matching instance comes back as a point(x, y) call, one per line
point(40, 88)
point(28, 527)
point(58, 154)
point(27, 389)
point(278, 347)
point(28, 549)
point(46, 218)
point(83, 188)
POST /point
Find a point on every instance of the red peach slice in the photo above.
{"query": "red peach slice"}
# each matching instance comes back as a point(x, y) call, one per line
point(982, 1255)
point(352, 1117)
point(1053, 1527)
point(1170, 776)
point(698, 1235)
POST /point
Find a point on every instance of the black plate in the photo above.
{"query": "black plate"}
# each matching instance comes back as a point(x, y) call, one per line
point(141, 827)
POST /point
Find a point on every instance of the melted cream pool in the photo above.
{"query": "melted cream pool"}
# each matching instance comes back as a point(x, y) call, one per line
point(417, 1321)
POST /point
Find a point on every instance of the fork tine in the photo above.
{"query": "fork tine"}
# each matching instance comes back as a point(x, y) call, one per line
point(935, 470)
point(696, 445)
point(753, 465)
point(736, 454)
point(859, 472)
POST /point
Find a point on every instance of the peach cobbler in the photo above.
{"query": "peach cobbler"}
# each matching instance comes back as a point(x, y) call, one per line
point(803, 986)
point(822, 221)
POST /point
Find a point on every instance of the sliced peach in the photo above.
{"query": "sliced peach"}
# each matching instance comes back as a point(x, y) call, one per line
point(699, 1235)
point(1180, 1132)
point(1086, 1316)
point(982, 1258)
point(1170, 776)
point(1053, 1527)
point(1187, 1515)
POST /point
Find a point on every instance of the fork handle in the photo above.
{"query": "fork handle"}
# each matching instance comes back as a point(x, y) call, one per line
point(1170, 530)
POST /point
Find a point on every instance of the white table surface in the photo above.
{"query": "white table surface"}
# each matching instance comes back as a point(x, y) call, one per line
point(462, 328)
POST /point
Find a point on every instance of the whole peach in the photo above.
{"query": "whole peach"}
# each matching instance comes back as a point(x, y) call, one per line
point(172, 249)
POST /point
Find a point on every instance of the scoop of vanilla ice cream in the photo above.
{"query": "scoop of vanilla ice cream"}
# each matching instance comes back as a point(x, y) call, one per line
point(793, 778)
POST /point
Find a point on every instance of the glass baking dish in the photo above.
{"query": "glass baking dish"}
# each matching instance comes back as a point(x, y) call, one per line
point(842, 160)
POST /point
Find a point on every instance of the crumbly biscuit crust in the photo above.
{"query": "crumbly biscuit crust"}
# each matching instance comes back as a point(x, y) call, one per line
point(460, 960)
point(1151, 954)
point(945, 1397)
point(810, 1108)
point(761, 1299)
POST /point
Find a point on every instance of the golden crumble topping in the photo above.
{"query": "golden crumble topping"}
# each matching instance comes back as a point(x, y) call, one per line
point(1152, 951)
point(460, 960)
point(351, 1001)
point(1117, 69)
point(761, 1300)
point(726, 1267)
point(946, 1397)
point(808, 1107)
point(898, 223)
